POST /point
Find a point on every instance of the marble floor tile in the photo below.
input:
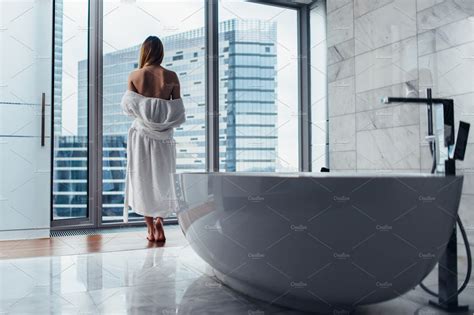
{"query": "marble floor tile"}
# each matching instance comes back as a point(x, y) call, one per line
point(148, 281)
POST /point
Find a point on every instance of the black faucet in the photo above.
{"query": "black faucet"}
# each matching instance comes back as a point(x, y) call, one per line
point(448, 274)
point(448, 112)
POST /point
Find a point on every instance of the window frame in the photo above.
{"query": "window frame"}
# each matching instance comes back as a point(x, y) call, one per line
point(95, 106)
point(88, 220)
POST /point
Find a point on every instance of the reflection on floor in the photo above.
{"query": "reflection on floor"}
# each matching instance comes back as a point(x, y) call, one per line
point(127, 239)
point(166, 280)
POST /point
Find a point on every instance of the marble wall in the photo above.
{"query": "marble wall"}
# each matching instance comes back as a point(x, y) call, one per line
point(379, 48)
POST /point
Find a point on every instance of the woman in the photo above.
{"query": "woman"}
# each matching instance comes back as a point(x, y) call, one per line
point(153, 99)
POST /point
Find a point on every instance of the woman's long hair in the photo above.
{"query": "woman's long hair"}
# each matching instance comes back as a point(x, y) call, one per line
point(152, 52)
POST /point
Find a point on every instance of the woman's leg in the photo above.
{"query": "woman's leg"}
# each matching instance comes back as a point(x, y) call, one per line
point(151, 229)
point(159, 230)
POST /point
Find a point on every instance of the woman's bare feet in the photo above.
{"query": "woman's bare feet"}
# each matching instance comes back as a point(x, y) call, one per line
point(150, 236)
point(159, 232)
point(151, 229)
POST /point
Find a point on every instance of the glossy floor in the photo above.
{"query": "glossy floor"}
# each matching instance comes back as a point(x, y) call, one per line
point(166, 280)
point(116, 240)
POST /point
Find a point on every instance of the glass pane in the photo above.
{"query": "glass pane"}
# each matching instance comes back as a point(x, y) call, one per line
point(318, 87)
point(70, 110)
point(258, 87)
point(180, 26)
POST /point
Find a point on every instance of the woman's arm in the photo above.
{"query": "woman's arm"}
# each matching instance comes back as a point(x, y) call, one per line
point(176, 91)
point(131, 87)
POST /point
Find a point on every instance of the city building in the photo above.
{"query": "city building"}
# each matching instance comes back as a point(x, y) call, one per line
point(247, 99)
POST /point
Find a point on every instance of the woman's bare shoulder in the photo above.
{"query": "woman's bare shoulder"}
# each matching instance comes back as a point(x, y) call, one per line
point(135, 74)
point(170, 75)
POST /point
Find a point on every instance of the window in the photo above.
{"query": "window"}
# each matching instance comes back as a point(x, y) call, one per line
point(126, 24)
point(258, 87)
point(70, 164)
point(318, 88)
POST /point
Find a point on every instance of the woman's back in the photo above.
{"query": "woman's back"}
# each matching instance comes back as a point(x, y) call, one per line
point(155, 81)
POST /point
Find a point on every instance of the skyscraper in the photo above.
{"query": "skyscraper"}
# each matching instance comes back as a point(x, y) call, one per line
point(247, 102)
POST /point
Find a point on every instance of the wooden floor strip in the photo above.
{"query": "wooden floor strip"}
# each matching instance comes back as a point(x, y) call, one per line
point(84, 244)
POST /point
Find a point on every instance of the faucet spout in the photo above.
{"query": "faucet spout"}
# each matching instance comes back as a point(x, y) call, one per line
point(448, 112)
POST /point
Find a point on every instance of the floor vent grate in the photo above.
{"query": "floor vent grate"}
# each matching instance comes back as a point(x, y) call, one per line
point(93, 231)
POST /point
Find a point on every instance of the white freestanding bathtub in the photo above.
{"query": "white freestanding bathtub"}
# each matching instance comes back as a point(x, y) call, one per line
point(318, 242)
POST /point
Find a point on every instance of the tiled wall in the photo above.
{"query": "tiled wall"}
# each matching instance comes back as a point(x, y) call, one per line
point(382, 48)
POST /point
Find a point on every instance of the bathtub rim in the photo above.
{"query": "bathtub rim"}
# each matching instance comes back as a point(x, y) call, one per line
point(322, 175)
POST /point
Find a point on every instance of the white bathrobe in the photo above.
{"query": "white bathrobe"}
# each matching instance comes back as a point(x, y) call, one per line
point(151, 154)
